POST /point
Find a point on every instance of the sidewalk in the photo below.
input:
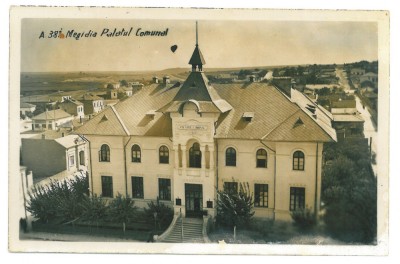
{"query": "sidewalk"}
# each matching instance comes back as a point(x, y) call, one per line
point(68, 237)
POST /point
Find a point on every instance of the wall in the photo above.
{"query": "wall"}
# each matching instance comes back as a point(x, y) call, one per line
point(286, 177)
point(246, 171)
point(44, 157)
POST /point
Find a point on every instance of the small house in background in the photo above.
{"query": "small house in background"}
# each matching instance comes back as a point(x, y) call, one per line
point(48, 157)
point(92, 103)
point(73, 107)
point(343, 107)
point(348, 126)
point(51, 120)
point(357, 71)
point(370, 77)
point(25, 108)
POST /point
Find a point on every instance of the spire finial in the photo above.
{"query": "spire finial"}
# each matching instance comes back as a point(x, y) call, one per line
point(197, 37)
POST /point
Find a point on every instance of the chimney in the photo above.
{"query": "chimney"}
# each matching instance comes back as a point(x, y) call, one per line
point(155, 79)
point(166, 79)
point(252, 78)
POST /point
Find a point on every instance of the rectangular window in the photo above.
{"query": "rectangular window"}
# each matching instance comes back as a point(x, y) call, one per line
point(106, 186)
point(137, 187)
point(37, 125)
point(261, 195)
point(297, 198)
point(71, 161)
point(43, 125)
point(231, 187)
point(50, 126)
point(164, 189)
point(82, 158)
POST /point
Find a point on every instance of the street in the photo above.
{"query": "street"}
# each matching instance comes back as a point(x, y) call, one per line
point(370, 131)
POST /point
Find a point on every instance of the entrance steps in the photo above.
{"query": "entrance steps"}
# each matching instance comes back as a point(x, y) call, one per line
point(192, 231)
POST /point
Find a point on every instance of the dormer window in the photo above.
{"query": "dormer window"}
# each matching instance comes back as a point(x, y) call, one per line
point(151, 114)
point(298, 122)
point(248, 116)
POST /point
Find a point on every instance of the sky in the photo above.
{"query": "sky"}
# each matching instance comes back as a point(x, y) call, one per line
point(224, 44)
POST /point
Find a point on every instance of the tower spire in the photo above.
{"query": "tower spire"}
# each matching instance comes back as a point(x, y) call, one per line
point(197, 36)
point(197, 59)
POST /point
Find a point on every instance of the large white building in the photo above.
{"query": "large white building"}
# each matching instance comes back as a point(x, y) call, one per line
point(182, 143)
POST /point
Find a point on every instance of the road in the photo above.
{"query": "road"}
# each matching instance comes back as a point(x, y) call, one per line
point(370, 130)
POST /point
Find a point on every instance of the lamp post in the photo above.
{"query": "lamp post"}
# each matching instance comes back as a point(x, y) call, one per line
point(155, 221)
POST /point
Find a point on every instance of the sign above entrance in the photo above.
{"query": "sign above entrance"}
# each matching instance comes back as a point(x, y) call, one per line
point(192, 127)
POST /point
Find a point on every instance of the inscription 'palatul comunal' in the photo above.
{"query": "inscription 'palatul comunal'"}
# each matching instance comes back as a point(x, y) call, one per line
point(192, 127)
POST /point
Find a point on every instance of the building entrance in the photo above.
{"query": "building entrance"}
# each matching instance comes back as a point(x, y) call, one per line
point(193, 200)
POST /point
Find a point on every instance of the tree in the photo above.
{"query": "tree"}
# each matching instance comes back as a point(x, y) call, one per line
point(235, 209)
point(164, 216)
point(58, 199)
point(124, 83)
point(94, 209)
point(122, 210)
point(349, 192)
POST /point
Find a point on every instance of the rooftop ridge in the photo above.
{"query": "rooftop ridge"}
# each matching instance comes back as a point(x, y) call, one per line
point(120, 120)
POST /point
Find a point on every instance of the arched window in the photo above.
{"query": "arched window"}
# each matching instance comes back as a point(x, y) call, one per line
point(164, 155)
point(104, 153)
point(261, 156)
point(230, 157)
point(136, 153)
point(298, 160)
point(195, 156)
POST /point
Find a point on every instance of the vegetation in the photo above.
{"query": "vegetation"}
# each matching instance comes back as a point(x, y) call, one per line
point(94, 209)
point(164, 214)
point(124, 83)
point(59, 200)
point(62, 203)
point(235, 209)
point(349, 192)
point(304, 218)
point(122, 210)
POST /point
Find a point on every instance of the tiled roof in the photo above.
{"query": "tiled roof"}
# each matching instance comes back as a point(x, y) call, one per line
point(292, 130)
point(347, 118)
point(197, 57)
point(25, 105)
point(370, 74)
point(105, 123)
point(270, 106)
point(90, 97)
point(274, 113)
point(344, 104)
point(69, 141)
point(72, 101)
point(197, 88)
point(51, 115)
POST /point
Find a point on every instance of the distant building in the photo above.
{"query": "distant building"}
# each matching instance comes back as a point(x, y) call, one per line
point(348, 126)
point(370, 77)
point(25, 108)
point(47, 157)
point(357, 71)
point(51, 120)
point(73, 107)
point(92, 103)
point(343, 107)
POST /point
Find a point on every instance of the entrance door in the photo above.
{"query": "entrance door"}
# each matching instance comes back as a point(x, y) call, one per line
point(193, 200)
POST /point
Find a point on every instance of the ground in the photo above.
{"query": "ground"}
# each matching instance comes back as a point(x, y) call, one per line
point(278, 233)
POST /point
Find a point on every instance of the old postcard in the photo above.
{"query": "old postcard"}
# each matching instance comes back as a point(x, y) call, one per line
point(199, 131)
